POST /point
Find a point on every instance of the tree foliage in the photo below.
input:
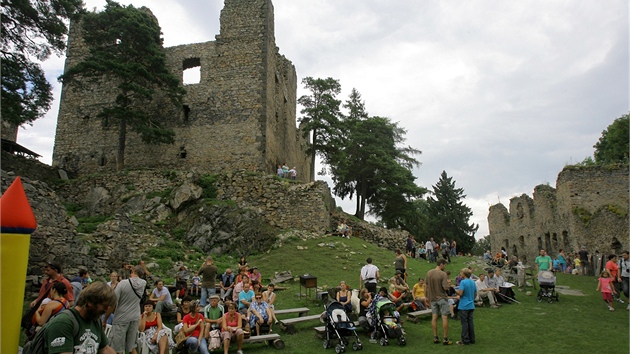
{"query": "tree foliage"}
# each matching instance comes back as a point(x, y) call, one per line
point(321, 117)
point(125, 46)
point(363, 154)
point(31, 30)
point(613, 146)
point(448, 215)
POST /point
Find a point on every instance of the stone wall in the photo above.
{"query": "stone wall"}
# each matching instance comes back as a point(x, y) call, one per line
point(588, 207)
point(241, 114)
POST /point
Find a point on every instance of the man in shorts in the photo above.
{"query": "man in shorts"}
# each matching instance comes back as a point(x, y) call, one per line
point(127, 312)
point(437, 285)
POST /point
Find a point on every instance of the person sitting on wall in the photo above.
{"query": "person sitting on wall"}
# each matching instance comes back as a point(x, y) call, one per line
point(293, 173)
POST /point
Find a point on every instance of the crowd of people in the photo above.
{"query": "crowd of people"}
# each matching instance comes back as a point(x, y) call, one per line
point(431, 250)
point(227, 312)
point(234, 305)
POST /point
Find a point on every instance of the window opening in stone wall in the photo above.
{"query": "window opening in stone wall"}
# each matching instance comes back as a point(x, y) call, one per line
point(548, 242)
point(565, 239)
point(514, 250)
point(554, 239)
point(616, 245)
point(540, 246)
point(182, 152)
point(191, 71)
point(186, 112)
point(102, 161)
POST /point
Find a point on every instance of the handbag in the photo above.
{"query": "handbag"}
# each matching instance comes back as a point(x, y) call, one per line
point(180, 338)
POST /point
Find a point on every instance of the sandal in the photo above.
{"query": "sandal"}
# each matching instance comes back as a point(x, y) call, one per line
point(436, 340)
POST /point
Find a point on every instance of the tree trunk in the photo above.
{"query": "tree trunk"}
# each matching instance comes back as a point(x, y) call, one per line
point(313, 157)
point(122, 137)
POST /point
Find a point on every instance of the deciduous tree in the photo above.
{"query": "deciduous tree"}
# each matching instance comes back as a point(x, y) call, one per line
point(31, 30)
point(613, 146)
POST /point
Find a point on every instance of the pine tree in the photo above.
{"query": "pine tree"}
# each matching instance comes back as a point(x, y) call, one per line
point(448, 216)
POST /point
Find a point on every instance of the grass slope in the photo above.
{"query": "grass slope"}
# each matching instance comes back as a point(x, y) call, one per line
point(575, 324)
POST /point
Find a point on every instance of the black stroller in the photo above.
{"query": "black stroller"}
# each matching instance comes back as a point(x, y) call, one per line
point(388, 323)
point(547, 282)
point(339, 327)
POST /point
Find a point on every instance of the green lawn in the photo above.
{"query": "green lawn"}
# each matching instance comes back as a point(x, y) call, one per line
point(575, 324)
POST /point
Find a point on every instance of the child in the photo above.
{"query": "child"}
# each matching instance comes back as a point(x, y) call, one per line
point(605, 285)
point(195, 288)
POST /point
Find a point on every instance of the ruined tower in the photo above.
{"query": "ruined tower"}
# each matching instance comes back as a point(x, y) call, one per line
point(588, 208)
point(240, 115)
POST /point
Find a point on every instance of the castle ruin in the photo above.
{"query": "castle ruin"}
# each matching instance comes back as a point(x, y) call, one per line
point(588, 208)
point(241, 114)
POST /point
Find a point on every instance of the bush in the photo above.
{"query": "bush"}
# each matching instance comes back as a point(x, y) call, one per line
point(206, 182)
point(88, 224)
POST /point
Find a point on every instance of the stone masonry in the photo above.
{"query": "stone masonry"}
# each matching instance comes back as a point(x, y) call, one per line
point(241, 114)
point(588, 208)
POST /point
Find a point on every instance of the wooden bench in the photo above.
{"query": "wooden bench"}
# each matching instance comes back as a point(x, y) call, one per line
point(271, 338)
point(415, 316)
point(288, 324)
point(301, 311)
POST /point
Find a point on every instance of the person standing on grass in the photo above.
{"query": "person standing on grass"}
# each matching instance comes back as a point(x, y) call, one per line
point(208, 272)
point(624, 269)
point(613, 268)
point(606, 287)
point(467, 293)
point(369, 276)
point(543, 262)
point(437, 285)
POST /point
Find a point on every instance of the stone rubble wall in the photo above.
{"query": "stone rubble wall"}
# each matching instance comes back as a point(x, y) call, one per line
point(588, 208)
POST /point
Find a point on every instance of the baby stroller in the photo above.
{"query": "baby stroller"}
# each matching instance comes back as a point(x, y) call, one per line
point(547, 282)
point(388, 323)
point(339, 327)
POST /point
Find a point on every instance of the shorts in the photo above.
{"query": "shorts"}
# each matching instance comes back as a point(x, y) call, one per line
point(607, 297)
point(231, 335)
point(123, 336)
point(440, 307)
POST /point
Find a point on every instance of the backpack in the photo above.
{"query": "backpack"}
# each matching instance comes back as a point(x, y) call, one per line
point(142, 298)
point(32, 329)
point(215, 339)
point(38, 344)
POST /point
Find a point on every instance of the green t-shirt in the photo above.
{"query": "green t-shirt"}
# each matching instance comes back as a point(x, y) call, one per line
point(60, 335)
point(544, 262)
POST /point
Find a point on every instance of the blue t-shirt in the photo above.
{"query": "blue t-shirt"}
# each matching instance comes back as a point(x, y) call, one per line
point(247, 296)
point(467, 299)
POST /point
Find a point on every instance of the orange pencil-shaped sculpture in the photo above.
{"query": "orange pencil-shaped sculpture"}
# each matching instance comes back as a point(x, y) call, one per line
point(17, 223)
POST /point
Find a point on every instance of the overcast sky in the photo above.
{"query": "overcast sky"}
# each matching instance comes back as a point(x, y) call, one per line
point(499, 94)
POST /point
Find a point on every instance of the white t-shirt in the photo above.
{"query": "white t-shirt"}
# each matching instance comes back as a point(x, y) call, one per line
point(368, 273)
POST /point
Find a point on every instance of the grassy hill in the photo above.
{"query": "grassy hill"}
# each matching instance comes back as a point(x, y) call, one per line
point(575, 324)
